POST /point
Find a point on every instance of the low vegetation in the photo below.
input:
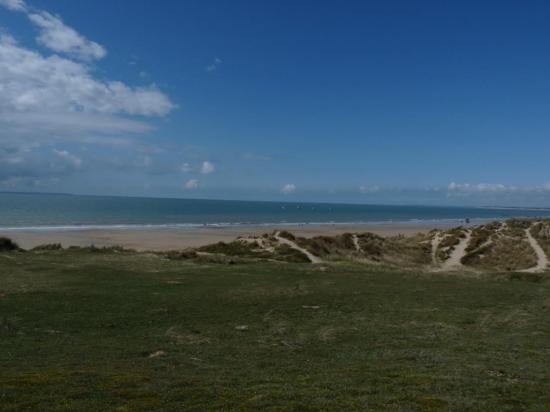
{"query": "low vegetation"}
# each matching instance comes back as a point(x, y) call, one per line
point(82, 330)
point(251, 249)
point(329, 246)
point(501, 247)
point(504, 254)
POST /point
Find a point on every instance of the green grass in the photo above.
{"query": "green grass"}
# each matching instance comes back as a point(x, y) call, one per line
point(118, 330)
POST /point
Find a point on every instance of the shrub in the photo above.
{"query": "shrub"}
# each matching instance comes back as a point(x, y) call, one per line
point(287, 235)
point(180, 254)
point(48, 246)
point(8, 245)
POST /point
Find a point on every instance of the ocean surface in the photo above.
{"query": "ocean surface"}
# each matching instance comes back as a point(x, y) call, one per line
point(71, 212)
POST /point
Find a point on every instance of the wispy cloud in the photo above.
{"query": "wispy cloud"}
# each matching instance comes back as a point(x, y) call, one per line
point(31, 166)
point(480, 187)
point(214, 65)
point(57, 36)
point(75, 161)
point(14, 5)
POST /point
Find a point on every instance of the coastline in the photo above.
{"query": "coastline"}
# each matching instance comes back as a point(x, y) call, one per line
point(171, 238)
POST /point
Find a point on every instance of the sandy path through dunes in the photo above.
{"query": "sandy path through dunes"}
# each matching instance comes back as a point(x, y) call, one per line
point(356, 243)
point(542, 259)
point(310, 256)
point(455, 260)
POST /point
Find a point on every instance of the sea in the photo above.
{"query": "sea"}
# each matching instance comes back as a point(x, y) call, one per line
point(23, 211)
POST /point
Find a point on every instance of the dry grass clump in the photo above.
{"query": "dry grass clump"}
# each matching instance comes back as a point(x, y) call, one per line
point(516, 227)
point(324, 246)
point(408, 251)
point(8, 245)
point(481, 235)
point(504, 254)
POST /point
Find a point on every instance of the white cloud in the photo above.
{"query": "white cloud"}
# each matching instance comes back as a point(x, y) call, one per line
point(15, 5)
point(185, 168)
point(480, 187)
point(32, 82)
point(47, 99)
point(74, 161)
point(288, 189)
point(191, 184)
point(57, 36)
point(214, 66)
point(55, 96)
point(495, 188)
point(207, 167)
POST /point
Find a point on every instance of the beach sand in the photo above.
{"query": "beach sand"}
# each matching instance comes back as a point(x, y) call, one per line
point(170, 239)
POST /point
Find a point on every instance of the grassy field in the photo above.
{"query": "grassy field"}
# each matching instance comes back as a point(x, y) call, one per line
point(112, 330)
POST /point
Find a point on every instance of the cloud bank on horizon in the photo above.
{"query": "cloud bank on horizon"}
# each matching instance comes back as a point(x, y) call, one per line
point(67, 124)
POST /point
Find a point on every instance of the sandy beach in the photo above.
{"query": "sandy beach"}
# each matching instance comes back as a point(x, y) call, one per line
point(169, 239)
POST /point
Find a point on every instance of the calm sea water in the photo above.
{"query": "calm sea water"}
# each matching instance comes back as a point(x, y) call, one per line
point(43, 211)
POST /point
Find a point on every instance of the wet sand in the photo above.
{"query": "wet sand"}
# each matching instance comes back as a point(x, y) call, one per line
point(169, 239)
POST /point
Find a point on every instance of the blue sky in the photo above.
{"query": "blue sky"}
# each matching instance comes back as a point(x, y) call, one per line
point(428, 102)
